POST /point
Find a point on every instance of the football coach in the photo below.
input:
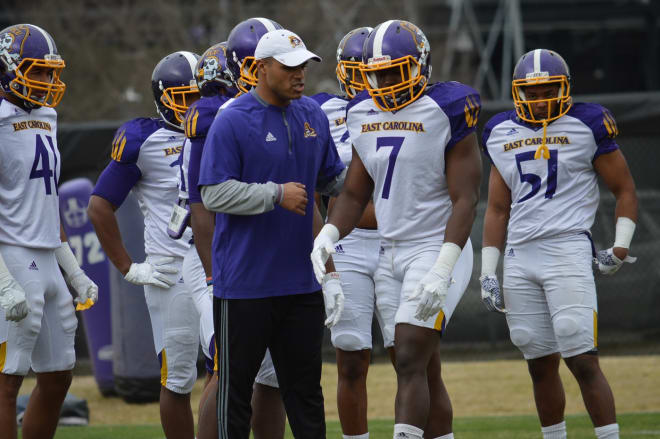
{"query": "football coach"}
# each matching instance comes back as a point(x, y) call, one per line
point(264, 157)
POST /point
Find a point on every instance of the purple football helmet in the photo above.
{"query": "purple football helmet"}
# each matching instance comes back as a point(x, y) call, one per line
point(541, 67)
point(349, 57)
point(174, 86)
point(399, 46)
point(241, 43)
point(25, 48)
point(213, 75)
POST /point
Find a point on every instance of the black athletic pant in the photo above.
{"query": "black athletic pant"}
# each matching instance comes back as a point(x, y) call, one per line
point(292, 328)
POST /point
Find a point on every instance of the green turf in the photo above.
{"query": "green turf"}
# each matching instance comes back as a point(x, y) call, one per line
point(633, 425)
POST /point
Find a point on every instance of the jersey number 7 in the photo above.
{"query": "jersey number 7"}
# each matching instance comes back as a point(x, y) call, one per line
point(395, 143)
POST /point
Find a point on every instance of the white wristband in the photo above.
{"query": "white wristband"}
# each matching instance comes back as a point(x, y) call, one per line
point(625, 228)
point(66, 259)
point(331, 230)
point(490, 257)
point(449, 253)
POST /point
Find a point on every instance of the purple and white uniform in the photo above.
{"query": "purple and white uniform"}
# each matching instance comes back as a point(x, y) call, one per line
point(549, 288)
point(404, 153)
point(29, 234)
point(145, 160)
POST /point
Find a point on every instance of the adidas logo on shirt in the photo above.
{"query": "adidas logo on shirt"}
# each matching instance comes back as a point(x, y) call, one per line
point(511, 253)
point(270, 137)
point(33, 266)
point(339, 249)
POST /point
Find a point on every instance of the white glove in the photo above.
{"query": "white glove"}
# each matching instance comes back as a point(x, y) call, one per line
point(491, 294)
point(12, 296)
point(209, 291)
point(324, 246)
point(432, 292)
point(154, 273)
point(608, 263)
point(432, 289)
point(333, 296)
point(12, 299)
point(88, 292)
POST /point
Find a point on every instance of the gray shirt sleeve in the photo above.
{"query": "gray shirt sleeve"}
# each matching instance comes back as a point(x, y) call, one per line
point(333, 187)
point(239, 198)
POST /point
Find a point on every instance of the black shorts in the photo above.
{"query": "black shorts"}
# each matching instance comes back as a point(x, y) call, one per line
point(292, 328)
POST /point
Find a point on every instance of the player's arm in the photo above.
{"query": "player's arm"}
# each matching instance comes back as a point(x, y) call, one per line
point(613, 169)
point(345, 213)
point(201, 220)
point(463, 169)
point(354, 197)
point(495, 225)
point(463, 173)
point(102, 215)
point(202, 223)
point(497, 211)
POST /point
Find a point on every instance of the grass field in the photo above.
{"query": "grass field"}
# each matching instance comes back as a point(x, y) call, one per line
point(633, 425)
point(491, 399)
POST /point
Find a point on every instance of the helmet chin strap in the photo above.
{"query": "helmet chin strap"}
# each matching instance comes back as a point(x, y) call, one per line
point(543, 149)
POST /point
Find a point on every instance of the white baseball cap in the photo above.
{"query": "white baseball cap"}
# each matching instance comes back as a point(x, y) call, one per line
point(285, 46)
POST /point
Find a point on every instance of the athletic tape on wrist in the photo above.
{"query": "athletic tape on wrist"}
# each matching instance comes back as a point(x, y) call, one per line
point(490, 257)
point(625, 228)
point(66, 259)
point(449, 253)
point(331, 230)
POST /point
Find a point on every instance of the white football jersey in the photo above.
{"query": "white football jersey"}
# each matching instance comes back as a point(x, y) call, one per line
point(147, 151)
point(335, 108)
point(404, 153)
point(29, 176)
point(555, 196)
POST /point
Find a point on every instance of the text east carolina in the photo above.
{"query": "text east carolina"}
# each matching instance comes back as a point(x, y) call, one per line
point(417, 127)
point(24, 125)
point(556, 140)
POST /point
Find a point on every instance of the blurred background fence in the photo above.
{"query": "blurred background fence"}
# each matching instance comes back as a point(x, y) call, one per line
point(611, 46)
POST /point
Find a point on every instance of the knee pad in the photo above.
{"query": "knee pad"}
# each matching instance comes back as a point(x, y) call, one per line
point(565, 326)
point(349, 342)
point(575, 330)
point(179, 361)
point(520, 336)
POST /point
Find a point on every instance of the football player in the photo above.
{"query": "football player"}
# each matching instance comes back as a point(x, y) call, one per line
point(37, 317)
point(543, 195)
point(145, 158)
point(216, 84)
point(415, 154)
point(356, 259)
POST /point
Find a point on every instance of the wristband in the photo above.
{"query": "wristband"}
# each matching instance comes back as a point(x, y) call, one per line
point(280, 194)
point(625, 228)
point(490, 257)
point(209, 281)
point(330, 276)
point(449, 253)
